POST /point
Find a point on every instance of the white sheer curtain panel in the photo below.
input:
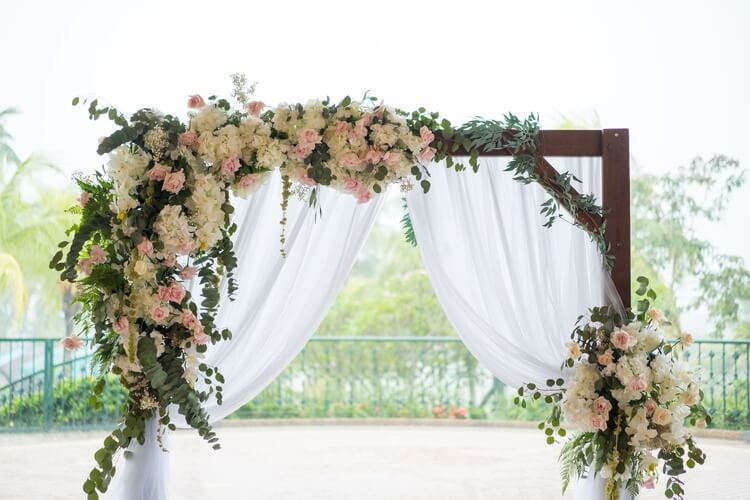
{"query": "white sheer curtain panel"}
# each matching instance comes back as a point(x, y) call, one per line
point(510, 287)
point(279, 305)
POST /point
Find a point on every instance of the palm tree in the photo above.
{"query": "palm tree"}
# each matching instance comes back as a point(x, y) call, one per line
point(33, 220)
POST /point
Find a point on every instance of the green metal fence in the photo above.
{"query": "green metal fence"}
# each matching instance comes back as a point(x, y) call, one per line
point(44, 387)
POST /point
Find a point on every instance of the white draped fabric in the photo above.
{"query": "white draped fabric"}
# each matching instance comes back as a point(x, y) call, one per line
point(280, 303)
point(511, 288)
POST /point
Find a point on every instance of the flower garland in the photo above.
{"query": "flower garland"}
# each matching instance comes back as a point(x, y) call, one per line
point(160, 215)
point(629, 397)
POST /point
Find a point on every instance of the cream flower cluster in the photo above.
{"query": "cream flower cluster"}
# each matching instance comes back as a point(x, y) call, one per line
point(624, 380)
point(351, 147)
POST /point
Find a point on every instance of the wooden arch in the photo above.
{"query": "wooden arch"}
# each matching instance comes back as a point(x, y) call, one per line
point(612, 146)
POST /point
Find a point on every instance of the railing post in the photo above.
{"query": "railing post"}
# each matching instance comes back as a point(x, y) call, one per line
point(49, 352)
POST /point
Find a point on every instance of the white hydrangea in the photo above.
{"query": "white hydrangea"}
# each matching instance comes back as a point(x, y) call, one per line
point(205, 209)
point(174, 230)
point(127, 170)
point(213, 148)
point(208, 119)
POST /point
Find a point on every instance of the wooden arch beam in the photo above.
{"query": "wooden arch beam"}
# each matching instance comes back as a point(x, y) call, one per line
point(612, 146)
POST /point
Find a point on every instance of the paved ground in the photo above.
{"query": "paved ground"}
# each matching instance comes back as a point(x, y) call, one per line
point(346, 462)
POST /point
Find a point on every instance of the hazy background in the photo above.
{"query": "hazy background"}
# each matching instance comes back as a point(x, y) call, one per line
point(675, 73)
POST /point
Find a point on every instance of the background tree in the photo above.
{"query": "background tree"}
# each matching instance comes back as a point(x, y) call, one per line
point(667, 212)
point(33, 219)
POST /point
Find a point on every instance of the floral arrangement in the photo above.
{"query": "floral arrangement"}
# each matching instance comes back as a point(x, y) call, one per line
point(629, 397)
point(159, 217)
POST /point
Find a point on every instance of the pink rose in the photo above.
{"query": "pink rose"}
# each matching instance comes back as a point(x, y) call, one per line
point(159, 314)
point(247, 181)
point(360, 129)
point(351, 184)
point(158, 172)
point(637, 385)
point(426, 135)
point(342, 127)
point(170, 260)
point(187, 138)
point(145, 246)
point(650, 406)
point(392, 158)
point(649, 483)
point(188, 319)
point(620, 339)
point(230, 166)
point(602, 405)
point(200, 336)
point(308, 136)
point(364, 195)
point(255, 108)
point(351, 160)
point(599, 422)
point(303, 150)
point(72, 342)
point(188, 273)
point(121, 325)
point(83, 200)
point(174, 181)
point(303, 178)
point(163, 293)
point(374, 156)
point(427, 154)
point(196, 102)
point(366, 120)
point(176, 293)
point(85, 266)
point(98, 255)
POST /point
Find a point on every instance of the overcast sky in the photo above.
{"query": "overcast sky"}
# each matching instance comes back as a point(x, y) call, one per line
point(675, 73)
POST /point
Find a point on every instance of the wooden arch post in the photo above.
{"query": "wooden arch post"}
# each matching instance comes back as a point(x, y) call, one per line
point(612, 146)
